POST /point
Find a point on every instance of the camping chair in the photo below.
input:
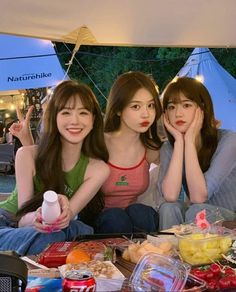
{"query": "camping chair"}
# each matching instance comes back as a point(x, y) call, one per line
point(7, 157)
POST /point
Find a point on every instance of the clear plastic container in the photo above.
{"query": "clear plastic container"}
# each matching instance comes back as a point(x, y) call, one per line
point(194, 284)
point(156, 272)
point(204, 247)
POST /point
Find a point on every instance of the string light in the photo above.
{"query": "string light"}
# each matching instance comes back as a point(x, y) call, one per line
point(199, 78)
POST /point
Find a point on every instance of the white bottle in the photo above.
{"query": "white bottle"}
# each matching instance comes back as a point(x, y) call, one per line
point(51, 209)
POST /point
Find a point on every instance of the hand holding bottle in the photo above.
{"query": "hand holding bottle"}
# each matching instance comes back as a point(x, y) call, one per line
point(61, 222)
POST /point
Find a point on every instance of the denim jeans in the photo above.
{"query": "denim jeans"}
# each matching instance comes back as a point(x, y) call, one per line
point(178, 213)
point(28, 241)
point(135, 218)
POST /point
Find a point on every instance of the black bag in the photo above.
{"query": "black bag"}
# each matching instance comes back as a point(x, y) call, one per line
point(13, 272)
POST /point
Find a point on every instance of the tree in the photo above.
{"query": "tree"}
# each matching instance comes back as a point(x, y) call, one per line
point(99, 66)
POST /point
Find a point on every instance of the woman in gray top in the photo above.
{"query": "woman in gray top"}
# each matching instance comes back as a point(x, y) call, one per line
point(198, 162)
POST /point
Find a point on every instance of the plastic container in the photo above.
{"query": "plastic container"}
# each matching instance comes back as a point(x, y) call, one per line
point(156, 272)
point(51, 209)
point(203, 248)
point(194, 284)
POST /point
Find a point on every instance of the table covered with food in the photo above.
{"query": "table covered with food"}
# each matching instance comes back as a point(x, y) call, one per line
point(185, 258)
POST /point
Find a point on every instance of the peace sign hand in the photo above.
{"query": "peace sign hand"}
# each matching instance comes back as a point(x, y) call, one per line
point(22, 129)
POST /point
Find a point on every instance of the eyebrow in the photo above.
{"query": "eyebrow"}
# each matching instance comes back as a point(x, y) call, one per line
point(69, 108)
point(139, 101)
point(181, 101)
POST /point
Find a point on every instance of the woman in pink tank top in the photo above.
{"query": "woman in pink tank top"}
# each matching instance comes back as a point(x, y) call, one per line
point(133, 110)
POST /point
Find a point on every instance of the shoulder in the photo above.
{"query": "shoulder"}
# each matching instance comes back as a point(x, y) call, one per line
point(227, 139)
point(96, 166)
point(153, 156)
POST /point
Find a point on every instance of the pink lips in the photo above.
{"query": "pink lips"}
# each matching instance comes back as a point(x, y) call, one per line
point(144, 124)
point(180, 123)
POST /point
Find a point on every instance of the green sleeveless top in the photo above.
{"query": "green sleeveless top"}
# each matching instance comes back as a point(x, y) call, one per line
point(73, 180)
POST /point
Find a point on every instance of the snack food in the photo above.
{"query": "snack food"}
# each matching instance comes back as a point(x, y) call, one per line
point(100, 269)
point(55, 254)
point(77, 256)
point(200, 248)
point(136, 250)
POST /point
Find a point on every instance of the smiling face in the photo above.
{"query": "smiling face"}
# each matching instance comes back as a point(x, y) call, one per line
point(181, 112)
point(74, 121)
point(140, 112)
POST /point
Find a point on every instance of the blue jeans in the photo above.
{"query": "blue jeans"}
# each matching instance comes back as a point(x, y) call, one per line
point(28, 241)
point(135, 218)
point(178, 213)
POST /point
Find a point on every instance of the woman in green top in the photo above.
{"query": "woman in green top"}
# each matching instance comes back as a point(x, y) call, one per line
point(70, 159)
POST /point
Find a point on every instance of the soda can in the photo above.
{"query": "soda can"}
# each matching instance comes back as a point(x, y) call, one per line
point(79, 281)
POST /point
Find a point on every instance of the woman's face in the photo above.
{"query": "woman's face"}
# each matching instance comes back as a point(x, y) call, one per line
point(140, 113)
point(74, 122)
point(181, 114)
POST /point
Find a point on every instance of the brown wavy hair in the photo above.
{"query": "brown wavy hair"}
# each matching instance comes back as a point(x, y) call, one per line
point(48, 162)
point(198, 93)
point(121, 93)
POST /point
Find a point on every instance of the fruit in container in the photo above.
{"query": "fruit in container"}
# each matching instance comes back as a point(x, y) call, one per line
point(200, 248)
point(77, 256)
point(136, 250)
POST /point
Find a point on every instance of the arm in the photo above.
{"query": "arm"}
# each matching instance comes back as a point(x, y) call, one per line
point(22, 129)
point(172, 181)
point(24, 167)
point(96, 174)
point(194, 175)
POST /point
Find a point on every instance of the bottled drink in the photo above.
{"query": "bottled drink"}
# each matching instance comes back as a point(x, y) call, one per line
point(51, 209)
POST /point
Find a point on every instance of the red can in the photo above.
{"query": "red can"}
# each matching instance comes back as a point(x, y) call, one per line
point(79, 281)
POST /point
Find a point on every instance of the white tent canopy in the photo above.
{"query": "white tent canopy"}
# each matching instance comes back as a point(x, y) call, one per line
point(220, 84)
point(28, 63)
point(182, 23)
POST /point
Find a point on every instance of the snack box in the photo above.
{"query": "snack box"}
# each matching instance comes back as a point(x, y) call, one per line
point(106, 274)
point(55, 254)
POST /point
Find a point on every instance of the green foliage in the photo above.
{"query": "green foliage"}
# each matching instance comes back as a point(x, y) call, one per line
point(99, 66)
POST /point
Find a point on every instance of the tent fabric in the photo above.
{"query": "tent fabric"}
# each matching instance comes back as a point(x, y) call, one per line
point(28, 63)
point(220, 84)
point(182, 23)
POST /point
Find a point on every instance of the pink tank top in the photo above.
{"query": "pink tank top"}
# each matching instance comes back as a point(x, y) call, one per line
point(124, 185)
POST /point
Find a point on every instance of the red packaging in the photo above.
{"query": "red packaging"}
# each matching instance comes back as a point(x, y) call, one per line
point(79, 280)
point(55, 254)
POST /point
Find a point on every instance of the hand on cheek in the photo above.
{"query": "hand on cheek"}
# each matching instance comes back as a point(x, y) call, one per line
point(172, 130)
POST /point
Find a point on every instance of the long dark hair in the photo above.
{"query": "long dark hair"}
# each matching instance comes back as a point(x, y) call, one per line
point(197, 92)
point(121, 93)
point(48, 162)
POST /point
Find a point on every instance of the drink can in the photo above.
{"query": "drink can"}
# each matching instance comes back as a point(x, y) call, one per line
point(79, 281)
